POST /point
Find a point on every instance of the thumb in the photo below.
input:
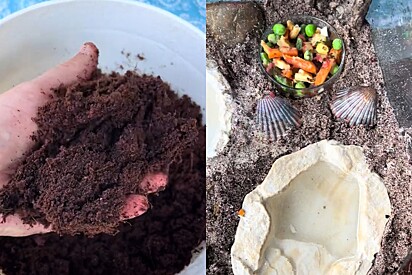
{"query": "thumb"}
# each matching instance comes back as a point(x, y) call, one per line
point(13, 226)
point(20, 104)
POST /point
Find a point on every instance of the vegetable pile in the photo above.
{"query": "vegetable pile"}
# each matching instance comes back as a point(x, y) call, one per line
point(301, 56)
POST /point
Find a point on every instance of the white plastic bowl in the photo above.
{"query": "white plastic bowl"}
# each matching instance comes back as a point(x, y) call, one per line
point(46, 34)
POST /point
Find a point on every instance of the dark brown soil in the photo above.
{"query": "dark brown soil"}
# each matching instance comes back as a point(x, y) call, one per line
point(96, 141)
point(245, 161)
point(159, 242)
point(407, 267)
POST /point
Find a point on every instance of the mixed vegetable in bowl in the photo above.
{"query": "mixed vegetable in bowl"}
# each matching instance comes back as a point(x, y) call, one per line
point(301, 56)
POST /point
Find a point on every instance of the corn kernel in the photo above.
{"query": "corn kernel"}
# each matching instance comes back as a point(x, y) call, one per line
point(322, 48)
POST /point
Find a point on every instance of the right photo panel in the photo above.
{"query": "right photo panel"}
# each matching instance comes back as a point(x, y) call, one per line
point(309, 126)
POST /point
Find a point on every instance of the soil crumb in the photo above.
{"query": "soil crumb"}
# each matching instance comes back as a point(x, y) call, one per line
point(246, 160)
point(95, 142)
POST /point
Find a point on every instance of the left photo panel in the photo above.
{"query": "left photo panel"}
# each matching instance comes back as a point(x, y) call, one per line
point(102, 137)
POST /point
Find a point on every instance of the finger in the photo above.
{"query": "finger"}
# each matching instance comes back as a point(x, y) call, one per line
point(13, 226)
point(20, 104)
point(153, 183)
point(135, 206)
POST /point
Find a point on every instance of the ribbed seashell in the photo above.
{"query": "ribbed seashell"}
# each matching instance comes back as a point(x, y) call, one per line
point(275, 115)
point(356, 105)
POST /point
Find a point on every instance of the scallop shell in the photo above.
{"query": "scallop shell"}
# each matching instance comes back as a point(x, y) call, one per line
point(356, 105)
point(275, 115)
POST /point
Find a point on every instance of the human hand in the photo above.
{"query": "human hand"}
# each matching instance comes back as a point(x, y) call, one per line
point(17, 108)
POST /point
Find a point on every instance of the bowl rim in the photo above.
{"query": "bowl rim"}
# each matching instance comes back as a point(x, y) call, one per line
point(296, 18)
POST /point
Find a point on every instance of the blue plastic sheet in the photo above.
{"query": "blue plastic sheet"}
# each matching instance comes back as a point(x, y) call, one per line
point(193, 11)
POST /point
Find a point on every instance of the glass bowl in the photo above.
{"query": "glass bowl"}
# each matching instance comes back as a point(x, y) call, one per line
point(310, 91)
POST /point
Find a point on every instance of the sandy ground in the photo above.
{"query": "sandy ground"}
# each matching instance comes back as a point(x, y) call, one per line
point(246, 160)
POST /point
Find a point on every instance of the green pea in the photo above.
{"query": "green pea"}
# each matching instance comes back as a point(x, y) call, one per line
point(337, 44)
point(310, 30)
point(273, 38)
point(279, 29)
point(265, 59)
point(300, 85)
point(308, 55)
point(299, 44)
point(335, 69)
point(270, 45)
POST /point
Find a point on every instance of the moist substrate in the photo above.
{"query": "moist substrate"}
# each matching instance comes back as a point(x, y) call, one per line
point(95, 142)
point(246, 160)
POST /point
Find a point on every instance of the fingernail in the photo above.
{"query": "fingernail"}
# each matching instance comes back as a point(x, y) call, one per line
point(89, 48)
point(136, 205)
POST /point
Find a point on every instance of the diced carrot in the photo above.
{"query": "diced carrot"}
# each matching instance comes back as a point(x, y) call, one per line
point(335, 54)
point(288, 73)
point(289, 51)
point(241, 213)
point(324, 71)
point(300, 63)
point(272, 53)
